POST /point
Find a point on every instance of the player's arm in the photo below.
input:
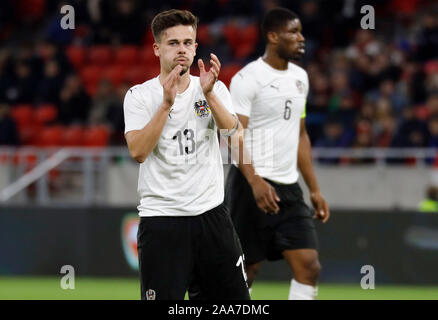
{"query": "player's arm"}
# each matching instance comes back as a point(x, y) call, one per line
point(264, 194)
point(223, 118)
point(142, 142)
point(306, 168)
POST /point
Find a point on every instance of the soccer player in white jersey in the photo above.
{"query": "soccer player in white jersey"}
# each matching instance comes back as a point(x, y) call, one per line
point(265, 200)
point(185, 231)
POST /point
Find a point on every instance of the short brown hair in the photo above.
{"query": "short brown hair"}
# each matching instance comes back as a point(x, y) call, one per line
point(171, 18)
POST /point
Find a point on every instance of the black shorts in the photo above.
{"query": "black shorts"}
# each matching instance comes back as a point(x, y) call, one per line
point(266, 236)
point(175, 252)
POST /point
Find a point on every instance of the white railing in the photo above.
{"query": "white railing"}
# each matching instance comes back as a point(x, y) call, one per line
point(63, 176)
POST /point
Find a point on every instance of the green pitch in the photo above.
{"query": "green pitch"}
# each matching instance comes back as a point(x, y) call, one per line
point(42, 288)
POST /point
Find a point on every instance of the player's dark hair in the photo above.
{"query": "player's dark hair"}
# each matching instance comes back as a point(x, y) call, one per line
point(276, 18)
point(171, 18)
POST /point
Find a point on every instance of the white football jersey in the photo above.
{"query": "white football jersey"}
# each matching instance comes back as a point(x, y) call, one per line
point(183, 175)
point(274, 100)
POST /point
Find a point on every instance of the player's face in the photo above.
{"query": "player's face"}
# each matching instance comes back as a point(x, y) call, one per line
point(291, 44)
point(176, 46)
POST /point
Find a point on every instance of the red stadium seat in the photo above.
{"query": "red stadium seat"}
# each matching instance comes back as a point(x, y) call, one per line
point(50, 136)
point(232, 34)
point(22, 114)
point(227, 72)
point(91, 74)
point(137, 75)
point(203, 34)
point(127, 55)
point(96, 136)
point(147, 55)
point(45, 113)
point(76, 55)
point(149, 37)
point(29, 134)
point(99, 55)
point(73, 136)
point(242, 41)
point(115, 74)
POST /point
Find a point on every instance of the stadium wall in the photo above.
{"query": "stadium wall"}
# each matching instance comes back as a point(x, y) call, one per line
point(401, 246)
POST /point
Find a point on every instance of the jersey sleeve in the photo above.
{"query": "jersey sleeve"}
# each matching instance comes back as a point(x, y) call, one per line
point(243, 90)
point(136, 112)
point(224, 96)
point(303, 115)
point(306, 86)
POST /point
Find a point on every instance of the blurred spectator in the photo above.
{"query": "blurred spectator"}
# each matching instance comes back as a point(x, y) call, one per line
point(21, 88)
point(388, 91)
point(411, 131)
point(104, 99)
point(74, 103)
point(54, 32)
point(433, 131)
point(428, 38)
point(430, 203)
point(125, 22)
point(8, 129)
point(50, 84)
point(333, 135)
point(115, 116)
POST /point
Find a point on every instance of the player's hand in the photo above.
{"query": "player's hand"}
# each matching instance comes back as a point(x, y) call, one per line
point(170, 87)
point(209, 78)
point(265, 196)
point(321, 207)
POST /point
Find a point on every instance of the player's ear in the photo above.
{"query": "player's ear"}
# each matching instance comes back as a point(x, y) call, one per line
point(272, 37)
point(156, 48)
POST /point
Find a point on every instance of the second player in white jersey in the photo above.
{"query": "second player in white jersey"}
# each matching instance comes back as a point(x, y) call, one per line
point(274, 101)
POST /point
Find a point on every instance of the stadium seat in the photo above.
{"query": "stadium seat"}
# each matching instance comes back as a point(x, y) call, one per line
point(242, 41)
point(203, 34)
point(149, 38)
point(99, 55)
point(115, 74)
point(127, 55)
point(73, 136)
point(137, 75)
point(50, 136)
point(30, 10)
point(76, 55)
point(22, 114)
point(91, 74)
point(227, 72)
point(232, 34)
point(147, 55)
point(29, 133)
point(45, 113)
point(96, 136)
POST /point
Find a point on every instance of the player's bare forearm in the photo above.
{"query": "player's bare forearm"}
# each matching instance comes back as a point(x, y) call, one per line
point(264, 194)
point(223, 118)
point(142, 142)
point(305, 163)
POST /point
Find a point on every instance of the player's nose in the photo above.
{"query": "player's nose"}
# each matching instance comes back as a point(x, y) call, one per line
point(181, 48)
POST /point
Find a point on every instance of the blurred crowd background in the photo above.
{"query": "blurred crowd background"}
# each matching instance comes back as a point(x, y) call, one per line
point(368, 88)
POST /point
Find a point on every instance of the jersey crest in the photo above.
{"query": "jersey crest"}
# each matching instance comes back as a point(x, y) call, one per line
point(202, 109)
point(300, 86)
